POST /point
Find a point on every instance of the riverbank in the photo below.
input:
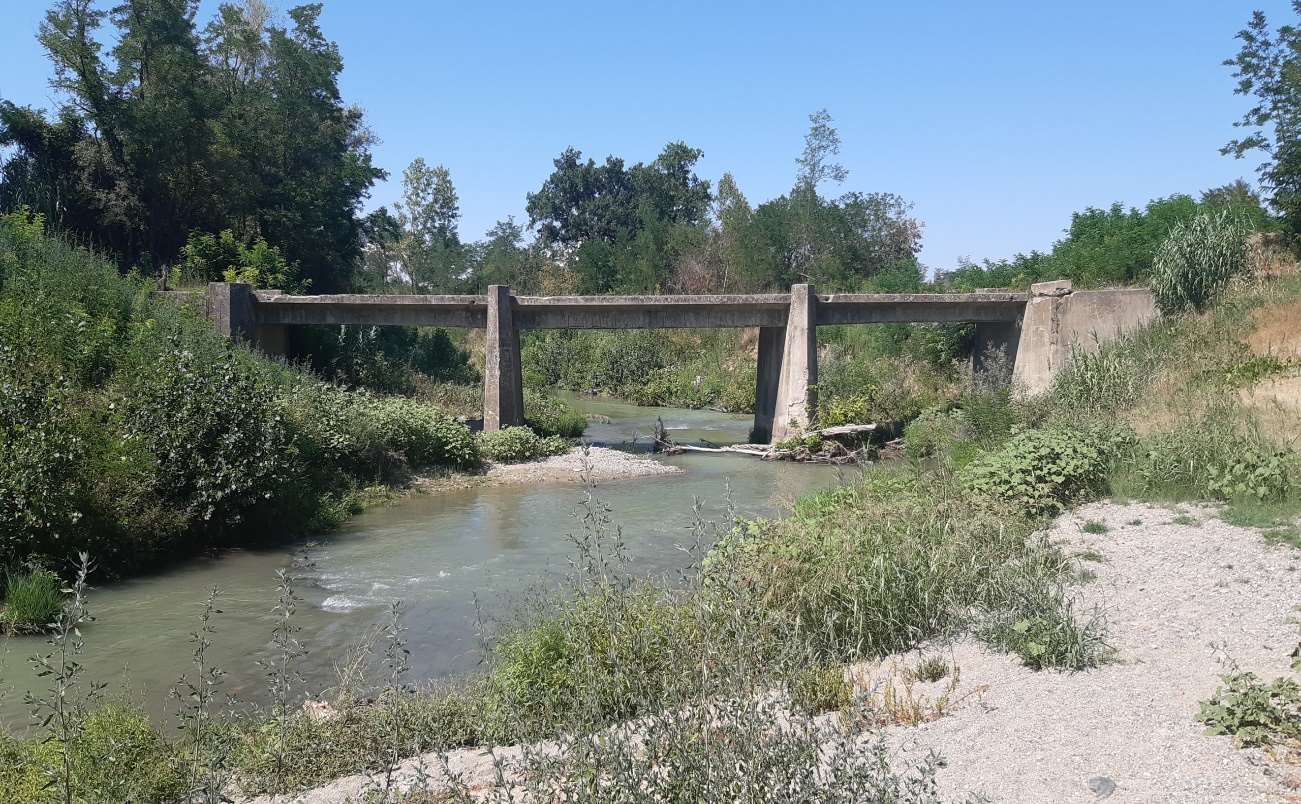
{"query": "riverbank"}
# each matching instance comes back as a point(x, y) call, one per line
point(1180, 590)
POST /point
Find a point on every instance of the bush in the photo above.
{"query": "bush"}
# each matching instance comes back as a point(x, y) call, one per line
point(32, 600)
point(933, 433)
point(116, 756)
point(1041, 471)
point(820, 688)
point(549, 416)
point(1196, 260)
point(1213, 457)
point(516, 444)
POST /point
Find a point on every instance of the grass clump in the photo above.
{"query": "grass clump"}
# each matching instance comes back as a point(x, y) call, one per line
point(1094, 526)
point(931, 669)
point(516, 444)
point(32, 600)
point(821, 688)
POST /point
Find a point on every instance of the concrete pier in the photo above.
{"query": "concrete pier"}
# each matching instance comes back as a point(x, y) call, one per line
point(503, 378)
point(772, 343)
point(798, 378)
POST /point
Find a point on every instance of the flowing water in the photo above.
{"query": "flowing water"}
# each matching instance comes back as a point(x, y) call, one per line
point(455, 559)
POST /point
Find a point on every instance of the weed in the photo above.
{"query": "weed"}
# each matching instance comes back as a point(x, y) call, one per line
point(1186, 520)
point(931, 669)
point(1094, 526)
point(1091, 555)
point(1252, 711)
point(820, 688)
point(515, 444)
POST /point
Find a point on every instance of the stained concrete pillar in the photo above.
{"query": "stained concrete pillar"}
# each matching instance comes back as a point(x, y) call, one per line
point(798, 378)
point(230, 309)
point(772, 342)
point(503, 380)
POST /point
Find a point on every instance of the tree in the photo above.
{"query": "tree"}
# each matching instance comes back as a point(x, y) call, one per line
point(1268, 69)
point(582, 201)
point(430, 249)
point(821, 145)
point(240, 128)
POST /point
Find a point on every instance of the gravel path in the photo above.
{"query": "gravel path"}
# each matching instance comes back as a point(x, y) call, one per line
point(1169, 592)
point(1121, 733)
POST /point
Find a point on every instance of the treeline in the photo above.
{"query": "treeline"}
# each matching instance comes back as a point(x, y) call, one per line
point(224, 150)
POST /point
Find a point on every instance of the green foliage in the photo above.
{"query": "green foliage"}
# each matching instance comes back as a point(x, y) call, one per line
point(386, 360)
point(116, 756)
point(1213, 457)
point(168, 131)
point(516, 444)
point(931, 669)
point(32, 600)
point(550, 416)
point(820, 688)
point(130, 429)
point(1042, 471)
point(1094, 526)
point(1040, 623)
point(223, 258)
point(1252, 711)
point(1196, 261)
point(933, 433)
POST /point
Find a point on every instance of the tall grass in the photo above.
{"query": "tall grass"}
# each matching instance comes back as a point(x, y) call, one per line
point(32, 600)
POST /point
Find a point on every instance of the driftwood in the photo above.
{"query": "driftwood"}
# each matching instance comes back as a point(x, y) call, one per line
point(830, 450)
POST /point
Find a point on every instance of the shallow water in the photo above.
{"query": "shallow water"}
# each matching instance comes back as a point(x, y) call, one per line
point(455, 559)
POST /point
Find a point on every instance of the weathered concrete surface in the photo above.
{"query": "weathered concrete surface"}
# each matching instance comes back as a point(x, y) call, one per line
point(1059, 320)
point(772, 343)
point(796, 388)
point(469, 312)
point(503, 378)
point(892, 308)
point(230, 309)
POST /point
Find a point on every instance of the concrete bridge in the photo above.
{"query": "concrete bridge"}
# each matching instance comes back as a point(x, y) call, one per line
point(1037, 331)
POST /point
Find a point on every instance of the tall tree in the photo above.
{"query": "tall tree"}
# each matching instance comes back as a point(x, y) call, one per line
point(821, 146)
point(431, 248)
point(1268, 69)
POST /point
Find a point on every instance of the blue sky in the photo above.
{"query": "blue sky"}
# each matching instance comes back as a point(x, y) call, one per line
point(996, 120)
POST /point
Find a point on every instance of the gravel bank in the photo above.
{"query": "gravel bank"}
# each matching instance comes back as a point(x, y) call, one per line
point(603, 464)
point(1169, 591)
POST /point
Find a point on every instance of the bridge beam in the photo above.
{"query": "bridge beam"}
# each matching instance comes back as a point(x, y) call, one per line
point(798, 376)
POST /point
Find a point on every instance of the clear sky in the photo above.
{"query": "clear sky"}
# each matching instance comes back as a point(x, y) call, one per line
point(996, 119)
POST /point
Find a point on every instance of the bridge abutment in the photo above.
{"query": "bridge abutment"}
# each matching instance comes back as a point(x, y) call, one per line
point(503, 378)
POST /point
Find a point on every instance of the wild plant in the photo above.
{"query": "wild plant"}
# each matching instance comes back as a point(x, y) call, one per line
point(61, 712)
point(1197, 259)
point(281, 672)
point(208, 750)
point(396, 660)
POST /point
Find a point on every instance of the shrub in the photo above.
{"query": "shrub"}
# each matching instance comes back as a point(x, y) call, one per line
point(1041, 471)
point(32, 600)
point(516, 444)
point(1196, 260)
point(549, 416)
point(116, 756)
point(1215, 457)
point(933, 433)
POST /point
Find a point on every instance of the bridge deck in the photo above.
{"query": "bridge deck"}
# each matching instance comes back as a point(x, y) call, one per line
point(636, 312)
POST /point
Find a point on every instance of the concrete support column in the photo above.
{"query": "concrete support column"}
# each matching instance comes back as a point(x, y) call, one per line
point(1039, 353)
point(230, 309)
point(503, 380)
point(798, 379)
point(772, 342)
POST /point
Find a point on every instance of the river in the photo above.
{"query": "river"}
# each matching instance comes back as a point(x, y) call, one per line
point(455, 559)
